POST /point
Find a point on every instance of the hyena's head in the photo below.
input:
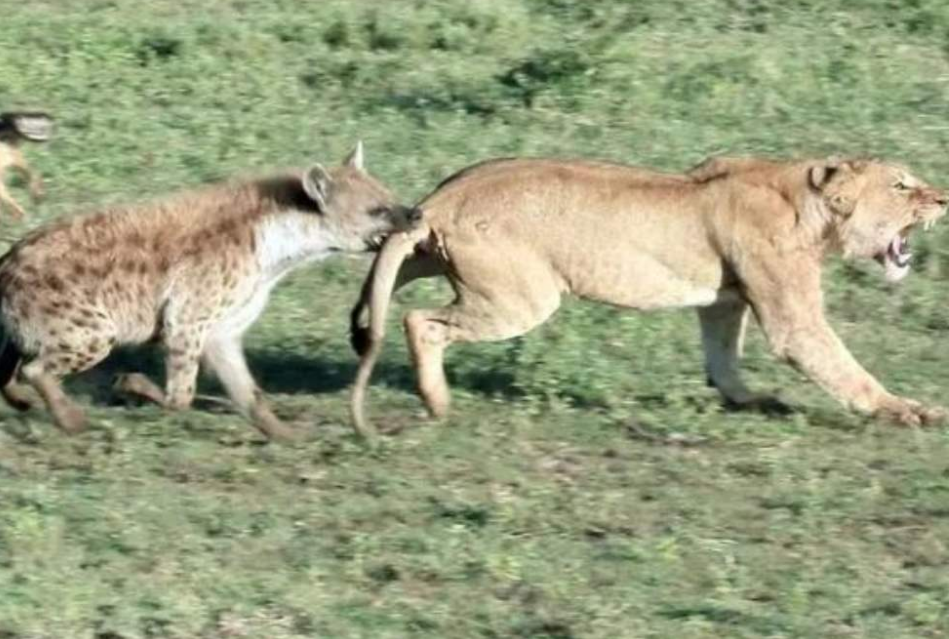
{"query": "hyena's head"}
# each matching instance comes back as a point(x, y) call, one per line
point(356, 211)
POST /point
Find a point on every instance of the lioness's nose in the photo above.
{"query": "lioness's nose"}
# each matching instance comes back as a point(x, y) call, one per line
point(941, 198)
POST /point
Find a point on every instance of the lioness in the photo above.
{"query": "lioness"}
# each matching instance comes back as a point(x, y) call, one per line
point(192, 271)
point(513, 235)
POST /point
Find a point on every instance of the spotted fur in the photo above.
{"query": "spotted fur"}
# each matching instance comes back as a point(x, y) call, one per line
point(192, 272)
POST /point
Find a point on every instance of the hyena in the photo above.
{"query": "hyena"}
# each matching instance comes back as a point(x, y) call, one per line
point(16, 126)
point(192, 272)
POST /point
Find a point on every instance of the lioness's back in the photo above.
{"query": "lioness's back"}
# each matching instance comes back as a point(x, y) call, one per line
point(508, 173)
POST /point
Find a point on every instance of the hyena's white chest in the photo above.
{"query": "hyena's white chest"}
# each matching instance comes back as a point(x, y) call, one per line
point(282, 244)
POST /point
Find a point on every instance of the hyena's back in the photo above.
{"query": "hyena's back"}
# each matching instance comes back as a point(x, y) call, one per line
point(109, 275)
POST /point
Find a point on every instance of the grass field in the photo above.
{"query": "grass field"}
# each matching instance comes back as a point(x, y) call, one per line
point(588, 484)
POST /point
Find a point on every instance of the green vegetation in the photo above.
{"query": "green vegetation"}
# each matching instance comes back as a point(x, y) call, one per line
point(588, 485)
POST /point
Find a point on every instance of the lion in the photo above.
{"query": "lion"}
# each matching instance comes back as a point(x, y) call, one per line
point(732, 237)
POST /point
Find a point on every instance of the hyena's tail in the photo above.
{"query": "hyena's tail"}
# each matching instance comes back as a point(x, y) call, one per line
point(10, 358)
point(380, 285)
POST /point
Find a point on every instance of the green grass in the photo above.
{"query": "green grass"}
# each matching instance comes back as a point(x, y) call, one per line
point(588, 484)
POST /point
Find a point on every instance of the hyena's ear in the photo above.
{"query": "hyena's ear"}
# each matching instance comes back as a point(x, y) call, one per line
point(317, 184)
point(354, 159)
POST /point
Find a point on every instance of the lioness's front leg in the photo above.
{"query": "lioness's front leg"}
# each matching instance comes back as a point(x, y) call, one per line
point(723, 333)
point(788, 303)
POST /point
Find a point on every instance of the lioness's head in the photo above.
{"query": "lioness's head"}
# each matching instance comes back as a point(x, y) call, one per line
point(355, 209)
point(875, 206)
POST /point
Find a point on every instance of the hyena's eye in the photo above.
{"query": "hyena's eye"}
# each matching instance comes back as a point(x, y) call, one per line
point(380, 211)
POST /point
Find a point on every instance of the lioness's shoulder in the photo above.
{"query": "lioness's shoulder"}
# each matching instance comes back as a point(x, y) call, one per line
point(720, 166)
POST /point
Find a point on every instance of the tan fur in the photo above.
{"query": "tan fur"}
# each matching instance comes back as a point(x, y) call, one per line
point(193, 272)
point(733, 236)
point(11, 158)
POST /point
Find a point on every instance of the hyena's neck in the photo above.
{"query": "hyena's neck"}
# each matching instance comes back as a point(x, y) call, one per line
point(287, 240)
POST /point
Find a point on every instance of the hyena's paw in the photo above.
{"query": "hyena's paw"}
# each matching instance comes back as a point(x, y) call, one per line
point(19, 397)
point(69, 418)
point(138, 386)
point(270, 425)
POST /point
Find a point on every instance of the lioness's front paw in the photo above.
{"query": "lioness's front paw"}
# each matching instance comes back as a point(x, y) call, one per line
point(908, 412)
point(932, 415)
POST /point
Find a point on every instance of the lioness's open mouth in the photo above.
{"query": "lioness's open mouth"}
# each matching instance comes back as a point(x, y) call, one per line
point(897, 256)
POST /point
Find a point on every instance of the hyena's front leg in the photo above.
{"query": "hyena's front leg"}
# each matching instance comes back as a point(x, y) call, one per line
point(181, 370)
point(224, 356)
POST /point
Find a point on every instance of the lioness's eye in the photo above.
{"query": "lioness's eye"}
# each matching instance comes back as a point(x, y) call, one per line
point(901, 186)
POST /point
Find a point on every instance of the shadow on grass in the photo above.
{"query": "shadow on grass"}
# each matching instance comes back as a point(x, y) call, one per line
point(281, 372)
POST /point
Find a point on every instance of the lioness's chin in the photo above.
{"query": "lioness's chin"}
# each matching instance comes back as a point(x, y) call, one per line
point(894, 272)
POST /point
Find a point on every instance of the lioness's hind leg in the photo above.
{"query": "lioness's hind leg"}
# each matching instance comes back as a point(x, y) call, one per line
point(416, 267)
point(470, 319)
point(723, 335)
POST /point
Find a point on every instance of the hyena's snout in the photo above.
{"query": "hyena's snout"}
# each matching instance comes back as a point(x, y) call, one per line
point(405, 218)
point(396, 219)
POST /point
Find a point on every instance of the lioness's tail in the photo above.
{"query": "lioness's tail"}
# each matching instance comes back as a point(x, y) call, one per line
point(383, 276)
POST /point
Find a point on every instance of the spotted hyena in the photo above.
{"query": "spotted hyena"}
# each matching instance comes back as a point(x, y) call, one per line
point(192, 272)
point(16, 126)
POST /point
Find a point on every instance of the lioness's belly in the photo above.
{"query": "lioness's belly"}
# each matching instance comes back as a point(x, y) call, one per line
point(642, 281)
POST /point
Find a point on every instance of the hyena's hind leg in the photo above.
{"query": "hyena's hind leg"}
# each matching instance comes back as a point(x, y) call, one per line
point(54, 361)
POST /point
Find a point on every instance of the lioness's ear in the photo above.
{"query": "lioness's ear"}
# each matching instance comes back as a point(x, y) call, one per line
point(317, 184)
point(354, 159)
point(820, 174)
